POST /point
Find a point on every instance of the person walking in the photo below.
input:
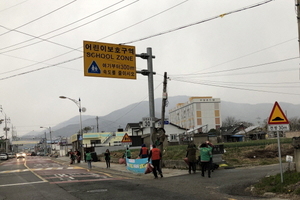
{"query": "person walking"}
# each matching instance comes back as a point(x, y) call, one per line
point(144, 152)
point(107, 158)
point(88, 157)
point(191, 156)
point(205, 153)
point(72, 157)
point(155, 156)
point(78, 156)
point(128, 153)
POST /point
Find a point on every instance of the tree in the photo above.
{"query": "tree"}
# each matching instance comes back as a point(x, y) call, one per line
point(229, 121)
point(294, 123)
point(87, 129)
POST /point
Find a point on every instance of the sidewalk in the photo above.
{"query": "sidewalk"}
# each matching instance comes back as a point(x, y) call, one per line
point(167, 172)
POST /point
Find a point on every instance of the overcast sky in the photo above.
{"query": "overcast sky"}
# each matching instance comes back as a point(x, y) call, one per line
point(249, 55)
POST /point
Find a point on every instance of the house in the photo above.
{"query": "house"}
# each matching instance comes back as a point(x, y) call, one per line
point(133, 128)
point(172, 130)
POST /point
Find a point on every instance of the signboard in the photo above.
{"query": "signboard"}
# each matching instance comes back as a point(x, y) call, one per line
point(109, 60)
point(126, 139)
point(277, 120)
point(147, 122)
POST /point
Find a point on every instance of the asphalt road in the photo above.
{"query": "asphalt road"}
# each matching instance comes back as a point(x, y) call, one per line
point(45, 178)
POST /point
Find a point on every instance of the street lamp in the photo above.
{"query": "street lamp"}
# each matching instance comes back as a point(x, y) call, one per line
point(78, 103)
point(50, 137)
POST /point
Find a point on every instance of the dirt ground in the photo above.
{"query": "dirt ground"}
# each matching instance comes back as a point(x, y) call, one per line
point(256, 155)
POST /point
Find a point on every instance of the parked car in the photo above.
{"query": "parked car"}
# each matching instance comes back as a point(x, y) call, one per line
point(33, 154)
point(21, 155)
point(3, 156)
point(11, 155)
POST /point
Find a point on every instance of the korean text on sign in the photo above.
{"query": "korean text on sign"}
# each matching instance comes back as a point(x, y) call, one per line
point(109, 60)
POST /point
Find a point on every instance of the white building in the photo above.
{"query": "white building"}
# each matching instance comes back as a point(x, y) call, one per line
point(199, 113)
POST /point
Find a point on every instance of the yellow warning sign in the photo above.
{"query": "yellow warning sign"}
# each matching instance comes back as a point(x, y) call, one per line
point(126, 138)
point(277, 116)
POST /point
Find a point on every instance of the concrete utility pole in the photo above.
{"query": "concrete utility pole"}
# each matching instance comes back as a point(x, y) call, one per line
point(149, 72)
point(161, 133)
point(164, 101)
point(97, 118)
point(298, 20)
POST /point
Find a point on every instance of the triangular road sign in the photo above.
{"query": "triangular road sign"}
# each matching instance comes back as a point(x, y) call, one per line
point(94, 69)
point(277, 116)
point(126, 138)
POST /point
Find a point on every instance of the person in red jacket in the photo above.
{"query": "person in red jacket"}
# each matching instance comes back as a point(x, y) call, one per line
point(155, 156)
point(144, 152)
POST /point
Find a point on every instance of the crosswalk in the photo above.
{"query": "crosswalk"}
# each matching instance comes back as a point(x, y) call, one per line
point(39, 169)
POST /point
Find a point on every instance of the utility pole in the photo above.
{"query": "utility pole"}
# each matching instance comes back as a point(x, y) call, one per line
point(149, 72)
point(164, 100)
point(97, 118)
point(298, 20)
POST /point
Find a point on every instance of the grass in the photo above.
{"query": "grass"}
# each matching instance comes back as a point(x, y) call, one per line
point(290, 185)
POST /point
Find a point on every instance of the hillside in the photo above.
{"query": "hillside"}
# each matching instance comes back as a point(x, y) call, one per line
point(254, 113)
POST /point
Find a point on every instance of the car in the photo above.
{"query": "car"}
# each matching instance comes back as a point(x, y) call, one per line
point(21, 155)
point(33, 154)
point(11, 155)
point(3, 156)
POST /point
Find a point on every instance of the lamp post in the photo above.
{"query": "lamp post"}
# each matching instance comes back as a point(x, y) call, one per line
point(50, 137)
point(78, 103)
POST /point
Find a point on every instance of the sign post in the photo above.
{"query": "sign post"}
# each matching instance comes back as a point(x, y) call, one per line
point(278, 122)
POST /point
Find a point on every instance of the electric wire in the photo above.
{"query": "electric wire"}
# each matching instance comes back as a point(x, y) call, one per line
point(98, 39)
point(242, 68)
point(39, 37)
point(237, 88)
point(39, 18)
point(72, 29)
point(199, 22)
point(13, 6)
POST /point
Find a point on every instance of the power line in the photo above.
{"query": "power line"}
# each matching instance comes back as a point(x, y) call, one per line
point(196, 23)
point(13, 6)
point(39, 37)
point(72, 28)
point(39, 18)
point(242, 68)
point(236, 88)
point(1, 79)
point(101, 38)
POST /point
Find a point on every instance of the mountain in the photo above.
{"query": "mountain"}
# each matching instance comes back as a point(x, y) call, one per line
point(254, 113)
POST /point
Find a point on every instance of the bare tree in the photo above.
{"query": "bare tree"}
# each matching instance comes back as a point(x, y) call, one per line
point(228, 121)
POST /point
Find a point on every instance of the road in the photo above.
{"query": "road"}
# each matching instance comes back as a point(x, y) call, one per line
point(47, 178)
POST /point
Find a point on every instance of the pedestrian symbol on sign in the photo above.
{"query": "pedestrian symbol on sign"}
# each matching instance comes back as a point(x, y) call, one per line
point(94, 69)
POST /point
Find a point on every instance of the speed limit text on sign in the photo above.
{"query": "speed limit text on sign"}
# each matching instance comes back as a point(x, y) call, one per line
point(147, 122)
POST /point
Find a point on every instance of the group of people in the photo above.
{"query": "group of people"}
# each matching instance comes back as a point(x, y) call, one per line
point(205, 157)
point(75, 155)
point(88, 157)
point(155, 156)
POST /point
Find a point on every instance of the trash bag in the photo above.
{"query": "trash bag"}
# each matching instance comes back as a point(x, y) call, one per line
point(122, 161)
point(149, 168)
point(186, 161)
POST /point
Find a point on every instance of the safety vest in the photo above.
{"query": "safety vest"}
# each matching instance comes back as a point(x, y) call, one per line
point(144, 151)
point(155, 154)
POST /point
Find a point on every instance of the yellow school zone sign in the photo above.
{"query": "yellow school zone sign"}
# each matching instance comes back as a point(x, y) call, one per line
point(109, 60)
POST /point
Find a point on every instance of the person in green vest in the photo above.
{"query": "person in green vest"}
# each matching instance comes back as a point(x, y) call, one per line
point(128, 153)
point(205, 157)
point(88, 157)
